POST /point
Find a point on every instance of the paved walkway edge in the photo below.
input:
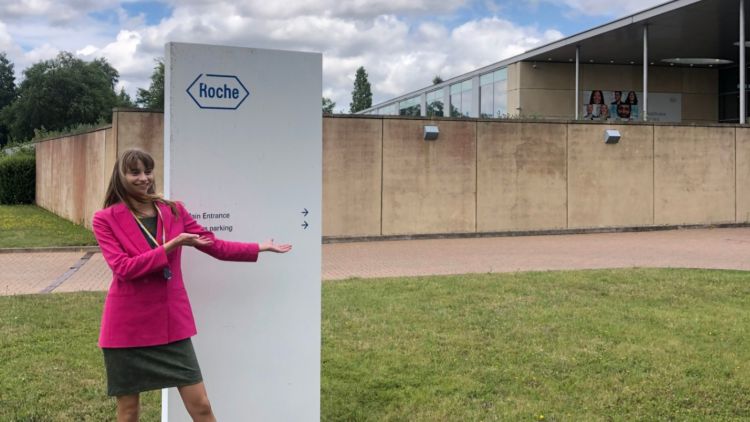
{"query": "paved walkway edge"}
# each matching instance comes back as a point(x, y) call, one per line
point(72, 270)
point(52, 249)
point(470, 235)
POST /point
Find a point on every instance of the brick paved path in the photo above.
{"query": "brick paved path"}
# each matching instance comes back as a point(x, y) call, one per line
point(33, 272)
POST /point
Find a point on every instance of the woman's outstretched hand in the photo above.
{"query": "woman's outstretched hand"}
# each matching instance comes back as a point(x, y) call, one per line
point(268, 245)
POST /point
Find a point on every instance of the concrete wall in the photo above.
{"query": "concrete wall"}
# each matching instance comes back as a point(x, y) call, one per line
point(548, 89)
point(521, 172)
point(610, 185)
point(428, 186)
point(70, 172)
point(694, 175)
point(381, 178)
point(742, 183)
point(352, 175)
point(73, 171)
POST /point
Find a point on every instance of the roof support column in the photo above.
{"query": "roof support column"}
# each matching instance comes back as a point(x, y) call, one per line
point(578, 76)
point(644, 105)
point(742, 62)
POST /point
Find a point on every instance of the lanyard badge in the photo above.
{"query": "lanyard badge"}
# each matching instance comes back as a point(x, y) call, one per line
point(166, 272)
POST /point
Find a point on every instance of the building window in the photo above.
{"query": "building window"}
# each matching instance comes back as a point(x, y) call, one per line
point(388, 110)
point(434, 102)
point(410, 107)
point(461, 99)
point(493, 94)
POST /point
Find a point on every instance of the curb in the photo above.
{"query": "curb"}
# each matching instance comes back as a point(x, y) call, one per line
point(92, 249)
point(553, 232)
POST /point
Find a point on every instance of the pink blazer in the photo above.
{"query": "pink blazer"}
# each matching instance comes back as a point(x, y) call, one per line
point(142, 307)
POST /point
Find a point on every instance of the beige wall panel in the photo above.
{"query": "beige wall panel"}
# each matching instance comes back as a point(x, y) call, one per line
point(700, 108)
point(610, 185)
point(428, 186)
point(70, 179)
point(514, 102)
point(694, 175)
point(610, 77)
point(514, 75)
point(697, 80)
point(743, 175)
point(548, 103)
point(96, 176)
point(541, 75)
point(42, 167)
point(514, 81)
point(521, 176)
point(663, 79)
point(65, 181)
point(110, 154)
point(352, 164)
point(144, 130)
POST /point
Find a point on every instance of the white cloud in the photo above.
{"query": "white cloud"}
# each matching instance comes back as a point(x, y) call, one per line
point(402, 44)
point(57, 12)
point(6, 40)
point(42, 52)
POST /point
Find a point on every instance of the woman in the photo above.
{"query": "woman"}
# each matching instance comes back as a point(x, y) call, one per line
point(632, 99)
point(147, 321)
point(596, 97)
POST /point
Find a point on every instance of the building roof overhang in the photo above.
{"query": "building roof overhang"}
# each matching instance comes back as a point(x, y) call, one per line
point(680, 28)
point(676, 29)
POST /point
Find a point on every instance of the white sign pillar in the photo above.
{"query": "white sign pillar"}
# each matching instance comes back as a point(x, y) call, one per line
point(243, 151)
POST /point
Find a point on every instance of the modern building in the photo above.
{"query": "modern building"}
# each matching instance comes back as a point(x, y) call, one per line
point(676, 62)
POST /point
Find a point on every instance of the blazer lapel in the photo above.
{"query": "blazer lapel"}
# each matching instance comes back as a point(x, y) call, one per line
point(133, 232)
point(164, 223)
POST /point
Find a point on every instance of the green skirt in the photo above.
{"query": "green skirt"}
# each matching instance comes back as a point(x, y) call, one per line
point(132, 370)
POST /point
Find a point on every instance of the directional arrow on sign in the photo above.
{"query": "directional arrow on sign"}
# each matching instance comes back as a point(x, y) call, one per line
point(304, 225)
point(305, 212)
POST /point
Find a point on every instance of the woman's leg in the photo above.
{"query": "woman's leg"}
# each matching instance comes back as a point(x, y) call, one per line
point(196, 402)
point(128, 408)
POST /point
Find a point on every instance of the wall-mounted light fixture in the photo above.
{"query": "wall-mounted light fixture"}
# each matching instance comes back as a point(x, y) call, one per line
point(431, 133)
point(611, 136)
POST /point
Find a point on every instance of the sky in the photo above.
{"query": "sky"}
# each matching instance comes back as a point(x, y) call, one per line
point(403, 44)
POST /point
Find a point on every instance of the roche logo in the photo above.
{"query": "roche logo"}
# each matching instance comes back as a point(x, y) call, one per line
point(218, 92)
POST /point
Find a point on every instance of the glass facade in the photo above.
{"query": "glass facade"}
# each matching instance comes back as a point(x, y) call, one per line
point(410, 107)
point(388, 110)
point(434, 101)
point(493, 94)
point(460, 100)
point(457, 100)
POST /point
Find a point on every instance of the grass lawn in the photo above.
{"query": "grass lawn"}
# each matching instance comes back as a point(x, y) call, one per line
point(557, 346)
point(28, 226)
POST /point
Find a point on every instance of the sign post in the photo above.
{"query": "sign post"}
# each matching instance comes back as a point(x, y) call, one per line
point(243, 151)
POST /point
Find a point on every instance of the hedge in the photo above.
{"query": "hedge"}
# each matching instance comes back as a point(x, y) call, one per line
point(17, 179)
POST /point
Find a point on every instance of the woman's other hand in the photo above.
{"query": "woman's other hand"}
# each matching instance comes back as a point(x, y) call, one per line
point(188, 239)
point(268, 245)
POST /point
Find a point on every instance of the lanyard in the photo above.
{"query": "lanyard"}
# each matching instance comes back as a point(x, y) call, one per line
point(148, 233)
point(166, 272)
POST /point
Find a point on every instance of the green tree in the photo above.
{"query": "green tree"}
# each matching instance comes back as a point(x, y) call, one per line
point(124, 100)
point(7, 92)
point(60, 93)
point(328, 106)
point(361, 95)
point(153, 97)
point(437, 80)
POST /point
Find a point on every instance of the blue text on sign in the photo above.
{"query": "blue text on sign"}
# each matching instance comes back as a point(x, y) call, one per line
point(205, 91)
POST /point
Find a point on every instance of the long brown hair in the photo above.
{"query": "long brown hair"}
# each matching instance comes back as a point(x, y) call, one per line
point(118, 191)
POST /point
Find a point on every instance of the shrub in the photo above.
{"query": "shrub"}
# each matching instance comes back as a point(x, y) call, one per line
point(17, 179)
